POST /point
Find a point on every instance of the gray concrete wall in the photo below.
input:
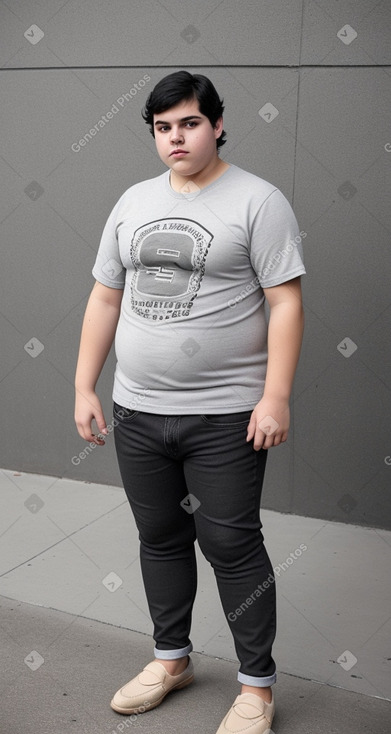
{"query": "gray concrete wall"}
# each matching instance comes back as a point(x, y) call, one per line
point(325, 68)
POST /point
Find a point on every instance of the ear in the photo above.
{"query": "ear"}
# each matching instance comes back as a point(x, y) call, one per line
point(218, 128)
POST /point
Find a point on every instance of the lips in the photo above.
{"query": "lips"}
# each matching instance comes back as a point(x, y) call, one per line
point(178, 153)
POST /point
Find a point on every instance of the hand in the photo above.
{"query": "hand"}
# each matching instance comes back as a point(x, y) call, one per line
point(269, 423)
point(88, 408)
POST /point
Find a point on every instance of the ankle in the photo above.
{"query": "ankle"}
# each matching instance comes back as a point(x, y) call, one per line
point(264, 693)
point(174, 667)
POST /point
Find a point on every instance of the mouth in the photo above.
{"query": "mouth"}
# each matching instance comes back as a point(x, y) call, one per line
point(178, 153)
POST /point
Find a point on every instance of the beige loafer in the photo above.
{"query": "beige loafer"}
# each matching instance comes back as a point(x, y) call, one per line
point(148, 689)
point(249, 714)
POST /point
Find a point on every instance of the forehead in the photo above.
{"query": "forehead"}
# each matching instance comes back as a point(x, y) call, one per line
point(186, 108)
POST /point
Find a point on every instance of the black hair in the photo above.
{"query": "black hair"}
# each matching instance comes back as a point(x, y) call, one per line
point(180, 86)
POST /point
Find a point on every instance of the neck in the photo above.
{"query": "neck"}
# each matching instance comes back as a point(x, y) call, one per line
point(201, 179)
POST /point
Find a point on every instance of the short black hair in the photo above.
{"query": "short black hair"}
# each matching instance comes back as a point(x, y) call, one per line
point(180, 86)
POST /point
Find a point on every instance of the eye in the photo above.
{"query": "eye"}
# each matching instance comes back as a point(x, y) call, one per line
point(163, 128)
point(191, 123)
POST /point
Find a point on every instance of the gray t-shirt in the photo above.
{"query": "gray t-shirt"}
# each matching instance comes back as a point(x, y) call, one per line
point(192, 333)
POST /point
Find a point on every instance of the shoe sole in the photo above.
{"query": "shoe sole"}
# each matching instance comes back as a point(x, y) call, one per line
point(137, 710)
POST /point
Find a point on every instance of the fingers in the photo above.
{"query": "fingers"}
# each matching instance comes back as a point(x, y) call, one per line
point(84, 428)
point(101, 423)
point(266, 433)
point(251, 428)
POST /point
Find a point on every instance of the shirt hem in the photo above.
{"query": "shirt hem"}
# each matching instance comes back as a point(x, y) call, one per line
point(279, 280)
point(181, 409)
point(107, 282)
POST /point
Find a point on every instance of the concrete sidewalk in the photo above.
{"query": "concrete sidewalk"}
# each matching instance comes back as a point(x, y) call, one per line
point(79, 626)
point(60, 671)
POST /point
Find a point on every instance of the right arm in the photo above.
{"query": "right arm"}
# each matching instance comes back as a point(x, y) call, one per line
point(97, 336)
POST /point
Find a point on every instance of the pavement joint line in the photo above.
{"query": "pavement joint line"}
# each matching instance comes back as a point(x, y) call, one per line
point(223, 626)
point(135, 559)
point(362, 676)
point(46, 669)
point(76, 617)
point(67, 537)
point(375, 632)
point(195, 652)
point(137, 606)
point(380, 536)
point(9, 528)
point(307, 620)
point(6, 475)
point(62, 540)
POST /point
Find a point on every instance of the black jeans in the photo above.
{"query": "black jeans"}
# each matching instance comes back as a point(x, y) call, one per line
point(195, 476)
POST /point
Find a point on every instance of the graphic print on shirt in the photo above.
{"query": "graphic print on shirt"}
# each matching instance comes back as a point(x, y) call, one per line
point(169, 257)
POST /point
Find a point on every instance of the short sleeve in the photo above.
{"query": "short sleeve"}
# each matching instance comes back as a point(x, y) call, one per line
point(108, 268)
point(276, 250)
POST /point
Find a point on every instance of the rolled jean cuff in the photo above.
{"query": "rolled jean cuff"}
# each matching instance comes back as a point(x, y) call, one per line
point(251, 680)
point(173, 654)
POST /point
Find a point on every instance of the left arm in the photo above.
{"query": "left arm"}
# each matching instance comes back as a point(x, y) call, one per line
point(285, 334)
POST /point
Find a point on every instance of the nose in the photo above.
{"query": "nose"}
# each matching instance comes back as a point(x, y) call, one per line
point(176, 136)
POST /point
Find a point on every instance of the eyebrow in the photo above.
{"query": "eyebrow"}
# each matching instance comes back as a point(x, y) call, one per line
point(183, 119)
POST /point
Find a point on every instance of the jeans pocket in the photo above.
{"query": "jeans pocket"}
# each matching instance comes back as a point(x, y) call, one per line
point(228, 420)
point(124, 415)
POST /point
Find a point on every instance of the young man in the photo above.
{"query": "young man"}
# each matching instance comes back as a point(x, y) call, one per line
point(201, 387)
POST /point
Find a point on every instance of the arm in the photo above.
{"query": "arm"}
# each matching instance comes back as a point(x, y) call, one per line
point(98, 331)
point(284, 342)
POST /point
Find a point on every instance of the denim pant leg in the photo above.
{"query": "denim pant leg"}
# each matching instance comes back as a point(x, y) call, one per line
point(155, 485)
point(161, 460)
point(225, 476)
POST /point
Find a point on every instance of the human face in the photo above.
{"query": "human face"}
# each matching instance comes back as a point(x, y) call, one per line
point(185, 129)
